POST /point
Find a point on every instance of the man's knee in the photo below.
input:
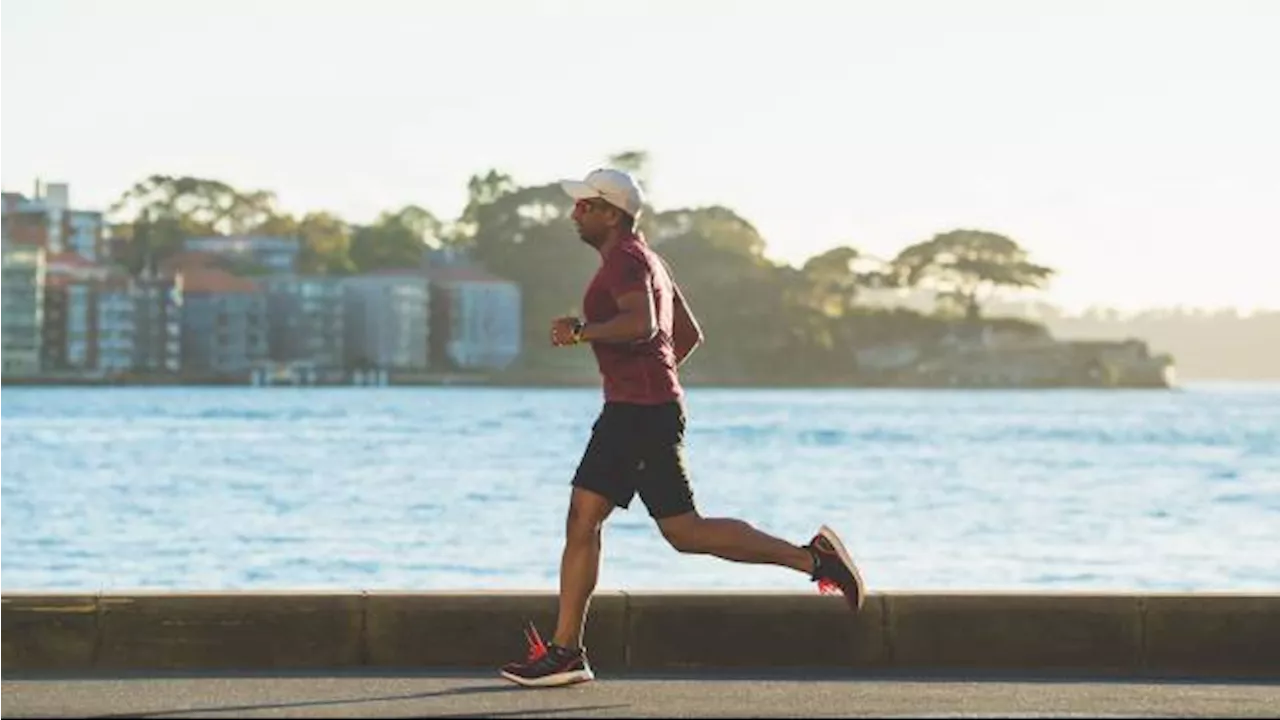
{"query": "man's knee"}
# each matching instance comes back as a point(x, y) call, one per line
point(579, 525)
point(683, 532)
point(587, 513)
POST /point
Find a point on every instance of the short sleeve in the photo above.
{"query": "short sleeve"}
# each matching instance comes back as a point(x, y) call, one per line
point(628, 274)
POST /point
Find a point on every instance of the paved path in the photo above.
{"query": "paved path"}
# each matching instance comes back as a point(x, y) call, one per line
point(692, 695)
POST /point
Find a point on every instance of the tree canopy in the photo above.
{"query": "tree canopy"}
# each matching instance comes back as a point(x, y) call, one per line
point(762, 318)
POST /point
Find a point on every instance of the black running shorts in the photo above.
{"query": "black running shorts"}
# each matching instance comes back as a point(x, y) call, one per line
point(638, 449)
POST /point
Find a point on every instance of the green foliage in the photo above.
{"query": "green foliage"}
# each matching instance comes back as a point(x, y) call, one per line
point(764, 321)
point(396, 240)
point(966, 266)
point(326, 245)
point(156, 214)
point(525, 234)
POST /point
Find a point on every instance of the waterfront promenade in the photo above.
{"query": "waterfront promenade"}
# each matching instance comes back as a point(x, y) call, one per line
point(687, 694)
point(670, 654)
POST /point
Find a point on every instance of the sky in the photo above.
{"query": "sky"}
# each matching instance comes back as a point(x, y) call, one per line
point(1132, 145)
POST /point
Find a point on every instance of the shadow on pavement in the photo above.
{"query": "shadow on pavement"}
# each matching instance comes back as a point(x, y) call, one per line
point(474, 690)
point(708, 673)
point(518, 713)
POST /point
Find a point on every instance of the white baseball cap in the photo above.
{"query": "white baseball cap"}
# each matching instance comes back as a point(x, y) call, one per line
point(613, 186)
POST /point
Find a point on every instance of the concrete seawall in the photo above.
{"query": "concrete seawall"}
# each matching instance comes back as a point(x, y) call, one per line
point(1122, 635)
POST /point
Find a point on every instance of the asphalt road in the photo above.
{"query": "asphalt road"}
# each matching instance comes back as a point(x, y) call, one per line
point(691, 695)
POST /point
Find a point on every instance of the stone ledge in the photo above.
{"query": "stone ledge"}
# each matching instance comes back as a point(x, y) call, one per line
point(1134, 635)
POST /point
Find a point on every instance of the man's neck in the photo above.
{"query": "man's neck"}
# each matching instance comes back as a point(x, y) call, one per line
point(615, 237)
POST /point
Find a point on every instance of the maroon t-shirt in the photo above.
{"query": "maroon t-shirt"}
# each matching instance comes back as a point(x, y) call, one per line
point(641, 372)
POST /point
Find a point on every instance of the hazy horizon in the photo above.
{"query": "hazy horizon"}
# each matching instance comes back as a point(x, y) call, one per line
point(1116, 141)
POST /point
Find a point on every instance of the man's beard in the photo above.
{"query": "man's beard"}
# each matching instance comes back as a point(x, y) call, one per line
point(593, 241)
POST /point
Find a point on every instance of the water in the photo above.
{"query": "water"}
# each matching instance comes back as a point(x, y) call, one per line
point(117, 489)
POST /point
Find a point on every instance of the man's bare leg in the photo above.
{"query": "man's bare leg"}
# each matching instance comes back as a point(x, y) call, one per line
point(734, 540)
point(580, 563)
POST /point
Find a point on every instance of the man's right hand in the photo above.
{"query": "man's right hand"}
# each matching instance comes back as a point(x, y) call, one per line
point(562, 330)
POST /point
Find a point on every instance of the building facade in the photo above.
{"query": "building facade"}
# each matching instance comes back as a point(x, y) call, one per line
point(81, 327)
point(53, 328)
point(47, 220)
point(139, 325)
point(475, 319)
point(65, 271)
point(224, 324)
point(387, 321)
point(275, 254)
point(158, 347)
point(23, 308)
point(115, 323)
point(101, 322)
point(306, 322)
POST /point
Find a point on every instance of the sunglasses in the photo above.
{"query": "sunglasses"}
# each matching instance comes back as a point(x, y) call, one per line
point(589, 204)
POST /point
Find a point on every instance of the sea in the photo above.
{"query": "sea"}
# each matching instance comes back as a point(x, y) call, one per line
point(115, 489)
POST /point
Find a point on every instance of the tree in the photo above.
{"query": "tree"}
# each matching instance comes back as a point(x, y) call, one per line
point(722, 227)
point(144, 241)
point(396, 240)
point(635, 162)
point(326, 245)
point(766, 322)
point(482, 191)
point(833, 280)
point(324, 241)
point(745, 302)
point(157, 213)
point(200, 204)
point(421, 222)
point(285, 224)
point(524, 234)
point(968, 266)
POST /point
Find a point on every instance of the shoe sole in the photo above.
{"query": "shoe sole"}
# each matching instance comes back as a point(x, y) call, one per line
point(845, 558)
point(573, 677)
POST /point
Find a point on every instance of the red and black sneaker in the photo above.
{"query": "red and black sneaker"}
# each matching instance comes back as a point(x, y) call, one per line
point(548, 664)
point(833, 568)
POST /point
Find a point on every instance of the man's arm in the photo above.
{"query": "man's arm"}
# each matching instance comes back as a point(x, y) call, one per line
point(636, 320)
point(686, 334)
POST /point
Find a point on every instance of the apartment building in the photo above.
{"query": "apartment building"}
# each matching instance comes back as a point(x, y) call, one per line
point(64, 271)
point(475, 319)
point(158, 345)
point(275, 254)
point(101, 321)
point(387, 320)
point(305, 320)
point(224, 324)
point(47, 220)
point(115, 325)
point(23, 308)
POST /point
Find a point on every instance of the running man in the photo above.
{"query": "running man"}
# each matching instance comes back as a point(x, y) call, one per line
point(641, 330)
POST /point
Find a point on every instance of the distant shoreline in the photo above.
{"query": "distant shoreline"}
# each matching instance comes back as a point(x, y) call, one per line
point(551, 383)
